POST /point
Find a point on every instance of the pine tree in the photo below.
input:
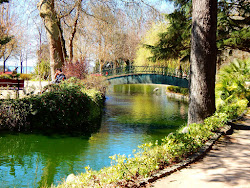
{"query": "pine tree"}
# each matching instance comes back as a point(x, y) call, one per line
point(233, 31)
point(233, 25)
point(202, 60)
point(175, 42)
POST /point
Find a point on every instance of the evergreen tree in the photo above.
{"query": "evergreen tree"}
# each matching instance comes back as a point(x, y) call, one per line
point(233, 25)
point(233, 30)
point(175, 42)
point(202, 60)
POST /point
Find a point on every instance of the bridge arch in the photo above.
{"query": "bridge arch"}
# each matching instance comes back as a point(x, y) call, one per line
point(141, 78)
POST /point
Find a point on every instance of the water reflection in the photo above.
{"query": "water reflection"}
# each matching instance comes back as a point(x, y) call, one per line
point(134, 114)
point(35, 160)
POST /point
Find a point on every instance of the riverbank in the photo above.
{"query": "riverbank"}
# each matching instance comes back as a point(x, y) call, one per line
point(177, 96)
point(226, 165)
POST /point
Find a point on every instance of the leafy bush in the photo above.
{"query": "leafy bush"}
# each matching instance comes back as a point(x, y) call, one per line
point(177, 89)
point(231, 85)
point(42, 69)
point(26, 76)
point(5, 76)
point(78, 69)
point(63, 107)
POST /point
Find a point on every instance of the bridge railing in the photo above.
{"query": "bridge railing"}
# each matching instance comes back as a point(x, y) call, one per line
point(145, 70)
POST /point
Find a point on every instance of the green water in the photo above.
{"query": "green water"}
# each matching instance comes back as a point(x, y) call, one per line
point(133, 115)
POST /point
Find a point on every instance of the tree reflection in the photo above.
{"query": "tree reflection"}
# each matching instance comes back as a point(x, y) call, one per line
point(38, 159)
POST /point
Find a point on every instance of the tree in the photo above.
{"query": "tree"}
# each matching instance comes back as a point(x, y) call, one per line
point(54, 34)
point(151, 37)
point(233, 31)
point(203, 60)
point(3, 39)
point(233, 25)
point(10, 37)
point(73, 31)
point(174, 43)
point(8, 50)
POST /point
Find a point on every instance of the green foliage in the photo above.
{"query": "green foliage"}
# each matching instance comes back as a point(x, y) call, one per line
point(150, 38)
point(233, 31)
point(26, 76)
point(42, 69)
point(232, 94)
point(177, 89)
point(174, 43)
point(63, 107)
point(233, 25)
point(5, 76)
point(234, 109)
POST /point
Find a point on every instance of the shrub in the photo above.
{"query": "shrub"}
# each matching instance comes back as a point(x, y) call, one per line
point(78, 69)
point(5, 76)
point(63, 107)
point(42, 69)
point(231, 85)
point(26, 76)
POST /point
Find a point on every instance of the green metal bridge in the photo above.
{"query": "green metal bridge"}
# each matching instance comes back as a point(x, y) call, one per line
point(145, 70)
point(146, 75)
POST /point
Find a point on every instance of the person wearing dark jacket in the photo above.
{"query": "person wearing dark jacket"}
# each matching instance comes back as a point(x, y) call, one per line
point(59, 76)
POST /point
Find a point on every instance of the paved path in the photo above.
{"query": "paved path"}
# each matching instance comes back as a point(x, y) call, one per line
point(226, 165)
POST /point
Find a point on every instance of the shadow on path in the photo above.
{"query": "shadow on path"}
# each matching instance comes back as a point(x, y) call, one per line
point(226, 165)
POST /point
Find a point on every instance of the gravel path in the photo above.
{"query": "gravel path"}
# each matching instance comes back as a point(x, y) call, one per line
point(226, 165)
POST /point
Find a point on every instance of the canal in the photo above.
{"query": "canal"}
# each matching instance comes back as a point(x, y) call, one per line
point(133, 115)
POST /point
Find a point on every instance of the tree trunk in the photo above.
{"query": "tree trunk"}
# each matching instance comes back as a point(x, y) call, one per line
point(203, 61)
point(54, 34)
point(73, 31)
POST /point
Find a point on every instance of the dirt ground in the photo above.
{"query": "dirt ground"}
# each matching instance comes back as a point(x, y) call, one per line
point(226, 165)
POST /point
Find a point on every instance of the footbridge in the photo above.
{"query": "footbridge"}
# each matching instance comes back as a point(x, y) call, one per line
point(146, 75)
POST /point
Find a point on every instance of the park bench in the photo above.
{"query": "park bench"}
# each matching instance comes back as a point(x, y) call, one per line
point(12, 84)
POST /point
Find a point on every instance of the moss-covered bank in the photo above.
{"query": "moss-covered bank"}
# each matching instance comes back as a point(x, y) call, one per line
point(68, 106)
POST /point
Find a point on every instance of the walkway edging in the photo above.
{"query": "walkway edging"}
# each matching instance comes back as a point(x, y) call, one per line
point(193, 158)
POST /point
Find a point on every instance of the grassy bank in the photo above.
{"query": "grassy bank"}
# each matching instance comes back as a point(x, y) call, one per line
point(127, 171)
point(67, 106)
point(177, 89)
